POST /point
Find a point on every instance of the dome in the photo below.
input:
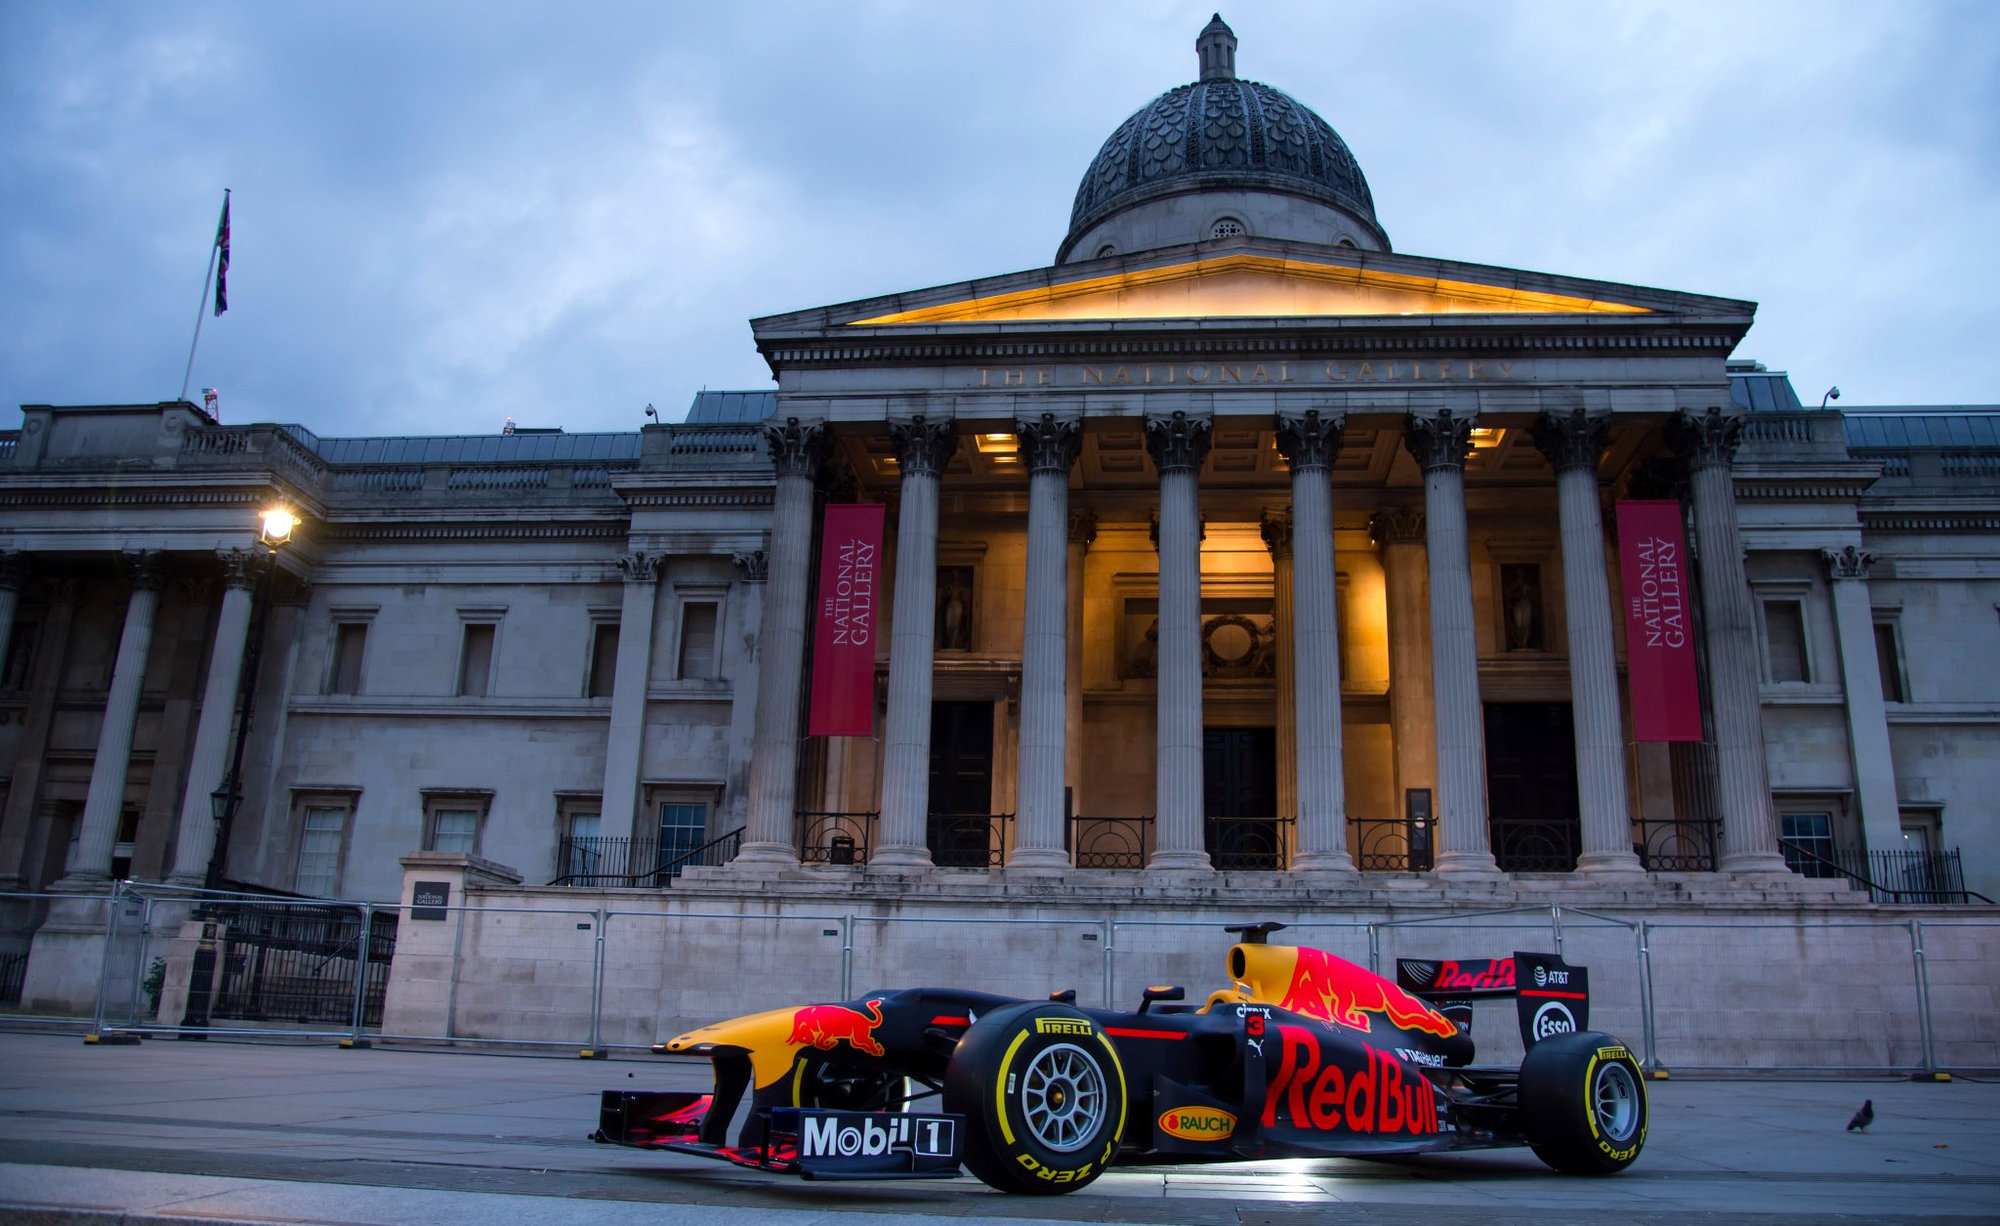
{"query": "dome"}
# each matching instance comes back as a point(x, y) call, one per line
point(1225, 136)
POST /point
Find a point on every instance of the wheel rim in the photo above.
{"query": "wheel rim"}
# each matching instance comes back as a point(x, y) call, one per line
point(1617, 1102)
point(1063, 1097)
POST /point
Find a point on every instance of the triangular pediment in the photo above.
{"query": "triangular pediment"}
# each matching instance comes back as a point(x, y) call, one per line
point(1242, 285)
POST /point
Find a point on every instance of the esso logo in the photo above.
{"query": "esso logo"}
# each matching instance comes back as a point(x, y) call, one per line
point(1551, 1019)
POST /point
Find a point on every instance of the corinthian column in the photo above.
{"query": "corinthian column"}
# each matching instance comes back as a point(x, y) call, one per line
point(1861, 679)
point(1440, 442)
point(101, 805)
point(1048, 448)
point(209, 758)
point(923, 447)
point(797, 451)
point(1178, 445)
point(1573, 442)
point(1749, 822)
point(1082, 531)
point(624, 744)
point(1276, 529)
point(1309, 442)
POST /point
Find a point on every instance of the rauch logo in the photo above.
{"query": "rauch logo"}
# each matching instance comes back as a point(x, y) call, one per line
point(1197, 1123)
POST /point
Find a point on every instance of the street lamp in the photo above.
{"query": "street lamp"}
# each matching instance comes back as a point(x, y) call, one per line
point(277, 524)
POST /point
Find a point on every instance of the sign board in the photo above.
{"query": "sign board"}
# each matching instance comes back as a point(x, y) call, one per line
point(1659, 621)
point(848, 617)
point(428, 900)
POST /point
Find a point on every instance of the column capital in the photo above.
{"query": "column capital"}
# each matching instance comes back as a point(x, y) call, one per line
point(1310, 439)
point(798, 449)
point(239, 567)
point(1707, 439)
point(1570, 440)
point(1048, 443)
point(1178, 443)
point(923, 445)
point(755, 565)
point(1153, 527)
point(1397, 526)
point(146, 569)
point(1082, 527)
point(1276, 529)
point(1439, 440)
point(640, 567)
point(1847, 562)
point(13, 569)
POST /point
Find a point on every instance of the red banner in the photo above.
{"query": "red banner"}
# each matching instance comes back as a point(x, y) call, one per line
point(1659, 623)
point(843, 680)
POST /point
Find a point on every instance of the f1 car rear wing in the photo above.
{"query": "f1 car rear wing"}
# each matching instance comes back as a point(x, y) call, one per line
point(1552, 996)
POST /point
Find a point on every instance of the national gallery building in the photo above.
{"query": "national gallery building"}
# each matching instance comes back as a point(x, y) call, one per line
point(1234, 550)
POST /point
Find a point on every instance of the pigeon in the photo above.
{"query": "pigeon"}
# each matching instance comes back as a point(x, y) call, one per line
point(1863, 1117)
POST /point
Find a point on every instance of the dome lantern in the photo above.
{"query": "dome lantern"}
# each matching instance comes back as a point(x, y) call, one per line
point(1215, 47)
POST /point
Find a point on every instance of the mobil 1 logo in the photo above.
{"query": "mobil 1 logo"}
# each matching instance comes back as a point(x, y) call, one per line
point(878, 1141)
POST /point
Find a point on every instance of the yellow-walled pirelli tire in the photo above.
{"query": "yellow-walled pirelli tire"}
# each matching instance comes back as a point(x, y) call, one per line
point(1043, 1096)
point(1583, 1103)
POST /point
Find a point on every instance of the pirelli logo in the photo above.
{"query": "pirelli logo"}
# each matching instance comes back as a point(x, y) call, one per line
point(1063, 1025)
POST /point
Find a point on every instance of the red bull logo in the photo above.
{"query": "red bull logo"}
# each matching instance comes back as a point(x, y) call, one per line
point(1383, 1097)
point(823, 1026)
point(1475, 976)
point(1335, 990)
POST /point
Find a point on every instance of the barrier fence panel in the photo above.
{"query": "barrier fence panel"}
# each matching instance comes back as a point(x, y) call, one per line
point(1961, 962)
point(1746, 995)
point(1194, 954)
point(1027, 957)
point(667, 973)
point(518, 974)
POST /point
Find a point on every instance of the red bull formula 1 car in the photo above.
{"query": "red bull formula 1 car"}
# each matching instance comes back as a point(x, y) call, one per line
point(1304, 1055)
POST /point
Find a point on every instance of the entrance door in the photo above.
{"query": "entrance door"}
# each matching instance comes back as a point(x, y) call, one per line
point(1531, 786)
point(960, 826)
point(1239, 789)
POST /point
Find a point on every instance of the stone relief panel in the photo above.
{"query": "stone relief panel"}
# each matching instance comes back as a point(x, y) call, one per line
point(1239, 639)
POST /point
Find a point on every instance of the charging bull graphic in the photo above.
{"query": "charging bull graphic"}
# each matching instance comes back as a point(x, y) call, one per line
point(823, 1026)
point(1319, 984)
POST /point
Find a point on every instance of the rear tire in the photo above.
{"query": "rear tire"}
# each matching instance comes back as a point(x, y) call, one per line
point(1043, 1096)
point(1583, 1103)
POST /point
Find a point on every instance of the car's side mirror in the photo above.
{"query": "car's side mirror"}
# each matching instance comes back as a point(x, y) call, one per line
point(1174, 992)
point(1065, 997)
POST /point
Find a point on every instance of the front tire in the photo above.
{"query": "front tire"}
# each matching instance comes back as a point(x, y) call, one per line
point(1043, 1096)
point(1583, 1103)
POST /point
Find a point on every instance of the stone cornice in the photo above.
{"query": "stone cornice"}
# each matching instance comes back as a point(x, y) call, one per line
point(995, 343)
point(616, 529)
point(1929, 521)
point(1799, 489)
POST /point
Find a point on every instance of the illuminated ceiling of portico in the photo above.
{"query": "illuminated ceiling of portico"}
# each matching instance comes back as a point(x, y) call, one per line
point(1252, 286)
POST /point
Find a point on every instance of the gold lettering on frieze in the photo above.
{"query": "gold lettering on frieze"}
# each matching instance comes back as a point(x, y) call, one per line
point(1152, 374)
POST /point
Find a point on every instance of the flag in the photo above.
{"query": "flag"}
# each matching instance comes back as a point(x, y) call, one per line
point(222, 259)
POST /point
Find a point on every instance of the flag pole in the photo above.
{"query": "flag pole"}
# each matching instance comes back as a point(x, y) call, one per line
point(201, 308)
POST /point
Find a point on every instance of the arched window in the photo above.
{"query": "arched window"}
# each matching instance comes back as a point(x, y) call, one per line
point(1227, 227)
point(1106, 250)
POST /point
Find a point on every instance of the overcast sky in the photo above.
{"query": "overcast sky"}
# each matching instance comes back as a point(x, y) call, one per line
point(450, 213)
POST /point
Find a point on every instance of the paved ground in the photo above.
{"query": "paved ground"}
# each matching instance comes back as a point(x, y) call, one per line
point(224, 1131)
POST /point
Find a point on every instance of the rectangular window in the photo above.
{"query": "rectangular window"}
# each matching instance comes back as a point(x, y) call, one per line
point(683, 829)
point(1889, 659)
point(603, 659)
point(475, 660)
point(20, 657)
point(582, 858)
point(1808, 843)
point(1785, 640)
point(697, 662)
point(319, 851)
point(350, 643)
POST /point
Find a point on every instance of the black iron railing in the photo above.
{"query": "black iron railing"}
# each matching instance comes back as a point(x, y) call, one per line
point(297, 963)
point(1110, 842)
point(1677, 845)
point(592, 863)
point(13, 974)
point(1534, 844)
point(1247, 842)
point(968, 840)
point(1894, 876)
point(1393, 844)
point(834, 838)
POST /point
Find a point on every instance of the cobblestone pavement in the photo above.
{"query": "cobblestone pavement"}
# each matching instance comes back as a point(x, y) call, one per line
point(242, 1132)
